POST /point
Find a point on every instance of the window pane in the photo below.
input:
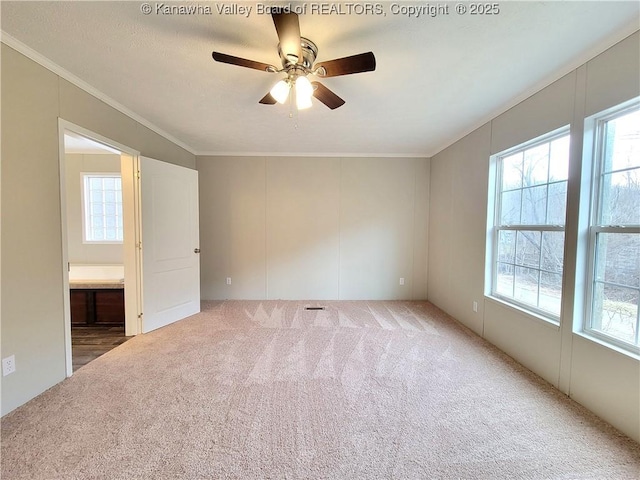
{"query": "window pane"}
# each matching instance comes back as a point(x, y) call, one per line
point(95, 195)
point(551, 292)
point(552, 251)
point(622, 142)
point(110, 209)
point(621, 198)
point(528, 267)
point(536, 165)
point(103, 212)
point(618, 258)
point(528, 248)
point(534, 205)
point(512, 172)
point(505, 279)
point(559, 159)
point(507, 246)
point(96, 209)
point(526, 285)
point(510, 208)
point(615, 312)
point(615, 280)
point(97, 221)
point(557, 203)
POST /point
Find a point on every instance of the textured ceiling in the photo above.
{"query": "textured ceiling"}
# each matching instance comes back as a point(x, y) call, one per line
point(437, 78)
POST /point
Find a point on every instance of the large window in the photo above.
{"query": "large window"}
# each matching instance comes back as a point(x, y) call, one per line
point(528, 229)
point(102, 208)
point(614, 233)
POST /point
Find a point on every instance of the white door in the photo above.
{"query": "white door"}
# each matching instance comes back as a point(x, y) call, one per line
point(170, 243)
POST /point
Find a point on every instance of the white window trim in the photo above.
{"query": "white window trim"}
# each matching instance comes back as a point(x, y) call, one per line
point(493, 228)
point(85, 207)
point(592, 157)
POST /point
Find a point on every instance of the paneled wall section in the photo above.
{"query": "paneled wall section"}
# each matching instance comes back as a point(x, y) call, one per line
point(313, 228)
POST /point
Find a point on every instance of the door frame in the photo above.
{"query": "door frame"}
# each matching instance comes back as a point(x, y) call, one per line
point(129, 167)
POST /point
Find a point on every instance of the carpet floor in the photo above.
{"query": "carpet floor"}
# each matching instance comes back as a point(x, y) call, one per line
point(270, 390)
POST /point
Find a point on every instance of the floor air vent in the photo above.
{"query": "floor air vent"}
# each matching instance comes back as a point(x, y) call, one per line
point(314, 308)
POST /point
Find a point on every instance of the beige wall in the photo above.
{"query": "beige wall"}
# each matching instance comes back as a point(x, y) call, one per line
point(313, 228)
point(79, 251)
point(604, 380)
point(33, 98)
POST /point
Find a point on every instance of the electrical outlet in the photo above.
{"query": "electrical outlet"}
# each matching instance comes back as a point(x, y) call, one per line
point(401, 281)
point(228, 280)
point(475, 306)
point(8, 365)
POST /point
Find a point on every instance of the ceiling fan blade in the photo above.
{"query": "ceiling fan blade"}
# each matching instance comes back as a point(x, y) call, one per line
point(326, 96)
point(243, 62)
point(364, 62)
point(268, 100)
point(288, 29)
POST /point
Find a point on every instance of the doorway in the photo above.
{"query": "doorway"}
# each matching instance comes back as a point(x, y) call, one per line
point(99, 214)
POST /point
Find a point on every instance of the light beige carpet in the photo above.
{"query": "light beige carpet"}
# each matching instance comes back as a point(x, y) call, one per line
point(267, 390)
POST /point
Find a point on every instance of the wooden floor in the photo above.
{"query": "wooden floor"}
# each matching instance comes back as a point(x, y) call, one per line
point(88, 343)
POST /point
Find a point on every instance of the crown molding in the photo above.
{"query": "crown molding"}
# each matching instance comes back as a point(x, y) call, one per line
point(78, 82)
point(308, 154)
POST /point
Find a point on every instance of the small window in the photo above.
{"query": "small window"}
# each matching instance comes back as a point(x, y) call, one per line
point(102, 208)
point(614, 233)
point(529, 209)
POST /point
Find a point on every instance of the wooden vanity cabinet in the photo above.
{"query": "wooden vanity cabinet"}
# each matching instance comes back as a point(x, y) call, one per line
point(96, 306)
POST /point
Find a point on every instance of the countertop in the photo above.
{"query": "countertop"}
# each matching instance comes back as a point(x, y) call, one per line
point(96, 284)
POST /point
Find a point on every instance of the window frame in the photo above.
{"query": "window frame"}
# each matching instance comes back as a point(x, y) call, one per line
point(86, 206)
point(495, 206)
point(595, 155)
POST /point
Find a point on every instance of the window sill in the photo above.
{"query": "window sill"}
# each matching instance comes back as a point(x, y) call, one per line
point(525, 313)
point(102, 242)
point(610, 346)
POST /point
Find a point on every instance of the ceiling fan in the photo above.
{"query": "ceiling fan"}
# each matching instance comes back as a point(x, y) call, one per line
point(298, 55)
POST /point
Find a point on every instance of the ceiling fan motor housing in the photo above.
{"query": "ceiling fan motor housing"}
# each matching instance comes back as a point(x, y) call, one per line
point(309, 54)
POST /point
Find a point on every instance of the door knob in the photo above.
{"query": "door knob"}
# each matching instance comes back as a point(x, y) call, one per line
point(196, 250)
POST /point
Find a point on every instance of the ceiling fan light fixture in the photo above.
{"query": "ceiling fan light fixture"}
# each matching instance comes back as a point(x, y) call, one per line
point(304, 92)
point(280, 91)
point(303, 103)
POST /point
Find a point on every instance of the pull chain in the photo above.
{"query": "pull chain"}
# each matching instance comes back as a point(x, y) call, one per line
point(293, 110)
